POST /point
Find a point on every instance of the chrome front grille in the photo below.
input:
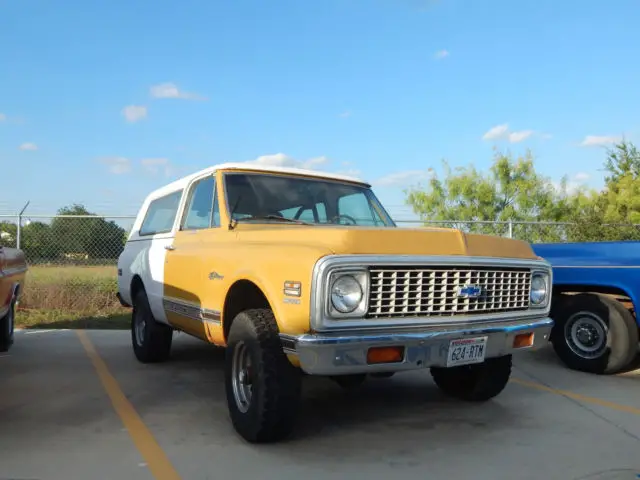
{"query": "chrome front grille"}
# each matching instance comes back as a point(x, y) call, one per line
point(434, 291)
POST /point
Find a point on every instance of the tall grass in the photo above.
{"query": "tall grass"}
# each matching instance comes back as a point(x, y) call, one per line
point(59, 294)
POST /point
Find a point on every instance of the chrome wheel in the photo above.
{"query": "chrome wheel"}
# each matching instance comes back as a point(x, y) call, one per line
point(139, 326)
point(241, 377)
point(586, 334)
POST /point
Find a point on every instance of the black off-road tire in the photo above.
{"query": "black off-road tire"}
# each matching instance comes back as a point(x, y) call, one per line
point(7, 326)
point(154, 344)
point(621, 343)
point(350, 381)
point(270, 412)
point(478, 382)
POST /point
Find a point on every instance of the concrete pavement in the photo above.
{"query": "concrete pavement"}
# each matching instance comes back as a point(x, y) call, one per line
point(79, 406)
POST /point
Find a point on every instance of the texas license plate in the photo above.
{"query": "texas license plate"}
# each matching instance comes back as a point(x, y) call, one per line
point(464, 351)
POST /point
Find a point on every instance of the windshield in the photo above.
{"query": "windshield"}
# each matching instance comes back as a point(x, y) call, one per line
point(257, 197)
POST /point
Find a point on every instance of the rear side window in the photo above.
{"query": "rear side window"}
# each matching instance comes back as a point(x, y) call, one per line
point(161, 214)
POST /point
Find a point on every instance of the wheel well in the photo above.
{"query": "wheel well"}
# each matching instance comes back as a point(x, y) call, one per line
point(136, 286)
point(614, 292)
point(243, 295)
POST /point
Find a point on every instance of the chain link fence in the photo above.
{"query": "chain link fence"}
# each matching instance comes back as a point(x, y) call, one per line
point(72, 264)
point(72, 258)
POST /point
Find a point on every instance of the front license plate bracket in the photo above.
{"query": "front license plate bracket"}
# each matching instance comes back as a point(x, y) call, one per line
point(466, 351)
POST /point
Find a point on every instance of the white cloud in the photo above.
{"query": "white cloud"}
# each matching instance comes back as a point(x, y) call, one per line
point(574, 183)
point(515, 137)
point(345, 114)
point(155, 165)
point(502, 132)
point(171, 90)
point(117, 165)
point(441, 54)
point(28, 146)
point(497, 132)
point(599, 141)
point(282, 160)
point(133, 113)
point(3, 117)
point(351, 172)
point(401, 179)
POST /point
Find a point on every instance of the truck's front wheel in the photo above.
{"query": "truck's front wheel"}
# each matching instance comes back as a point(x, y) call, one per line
point(263, 388)
point(478, 382)
point(593, 333)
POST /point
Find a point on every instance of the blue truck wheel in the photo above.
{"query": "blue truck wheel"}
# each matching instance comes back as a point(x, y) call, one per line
point(593, 333)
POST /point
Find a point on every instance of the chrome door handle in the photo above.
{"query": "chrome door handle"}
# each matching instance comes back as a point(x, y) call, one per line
point(169, 247)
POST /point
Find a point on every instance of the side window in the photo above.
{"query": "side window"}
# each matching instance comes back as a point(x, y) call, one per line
point(200, 205)
point(161, 214)
point(358, 207)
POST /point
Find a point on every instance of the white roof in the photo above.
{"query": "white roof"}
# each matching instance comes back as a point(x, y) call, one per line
point(184, 181)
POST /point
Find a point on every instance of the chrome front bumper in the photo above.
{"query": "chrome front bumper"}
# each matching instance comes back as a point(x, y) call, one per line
point(342, 353)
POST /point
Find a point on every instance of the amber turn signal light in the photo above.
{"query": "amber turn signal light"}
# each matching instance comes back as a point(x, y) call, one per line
point(523, 340)
point(385, 354)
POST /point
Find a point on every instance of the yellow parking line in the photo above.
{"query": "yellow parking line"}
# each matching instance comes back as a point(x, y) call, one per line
point(157, 461)
point(579, 397)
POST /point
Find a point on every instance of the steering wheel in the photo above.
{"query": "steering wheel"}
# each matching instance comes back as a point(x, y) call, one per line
point(348, 217)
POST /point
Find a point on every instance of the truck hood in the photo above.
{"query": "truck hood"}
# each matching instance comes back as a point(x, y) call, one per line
point(385, 241)
point(590, 254)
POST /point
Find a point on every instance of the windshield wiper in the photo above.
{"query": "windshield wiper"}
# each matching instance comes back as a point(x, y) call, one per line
point(275, 217)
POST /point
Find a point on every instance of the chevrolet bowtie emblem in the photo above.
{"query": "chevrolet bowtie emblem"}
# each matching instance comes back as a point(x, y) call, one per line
point(470, 291)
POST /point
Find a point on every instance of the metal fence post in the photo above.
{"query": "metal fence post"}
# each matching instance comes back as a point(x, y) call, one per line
point(19, 228)
point(510, 229)
point(18, 225)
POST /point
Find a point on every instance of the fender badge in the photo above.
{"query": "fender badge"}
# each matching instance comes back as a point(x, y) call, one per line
point(215, 276)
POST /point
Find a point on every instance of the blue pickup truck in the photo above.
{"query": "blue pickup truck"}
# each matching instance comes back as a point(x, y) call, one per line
point(596, 291)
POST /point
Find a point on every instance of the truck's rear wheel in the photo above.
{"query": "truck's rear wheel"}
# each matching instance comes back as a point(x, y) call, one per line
point(151, 339)
point(7, 328)
point(478, 382)
point(594, 333)
point(263, 388)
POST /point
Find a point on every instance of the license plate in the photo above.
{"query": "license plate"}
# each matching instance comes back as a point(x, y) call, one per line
point(464, 351)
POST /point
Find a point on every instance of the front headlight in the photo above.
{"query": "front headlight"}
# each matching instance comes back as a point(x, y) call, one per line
point(539, 289)
point(347, 293)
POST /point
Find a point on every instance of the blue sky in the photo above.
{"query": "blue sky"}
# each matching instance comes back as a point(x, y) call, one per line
point(102, 101)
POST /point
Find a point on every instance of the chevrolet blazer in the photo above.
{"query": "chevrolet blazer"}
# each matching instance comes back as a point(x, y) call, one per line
point(13, 269)
point(298, 272)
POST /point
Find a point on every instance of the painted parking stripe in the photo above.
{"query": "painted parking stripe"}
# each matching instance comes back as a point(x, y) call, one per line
point(579, 397)
point(155, 458)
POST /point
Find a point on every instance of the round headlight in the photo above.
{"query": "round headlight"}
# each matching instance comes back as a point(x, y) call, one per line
point(346, 294)
point(538, 289)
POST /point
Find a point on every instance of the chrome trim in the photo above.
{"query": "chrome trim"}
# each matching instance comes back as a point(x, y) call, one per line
point(7, 272)
point(320, 320)
point(191, 310)
point(346, 353)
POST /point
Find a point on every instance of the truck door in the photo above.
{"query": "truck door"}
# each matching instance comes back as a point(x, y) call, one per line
point(184, 272)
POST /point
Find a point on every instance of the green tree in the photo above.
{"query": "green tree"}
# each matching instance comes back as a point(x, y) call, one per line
point(8, 234)
point(511, 190)
point(89, 236)
point(38, 242)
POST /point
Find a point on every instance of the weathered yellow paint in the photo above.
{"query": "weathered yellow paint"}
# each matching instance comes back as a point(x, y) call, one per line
point(270, 255)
